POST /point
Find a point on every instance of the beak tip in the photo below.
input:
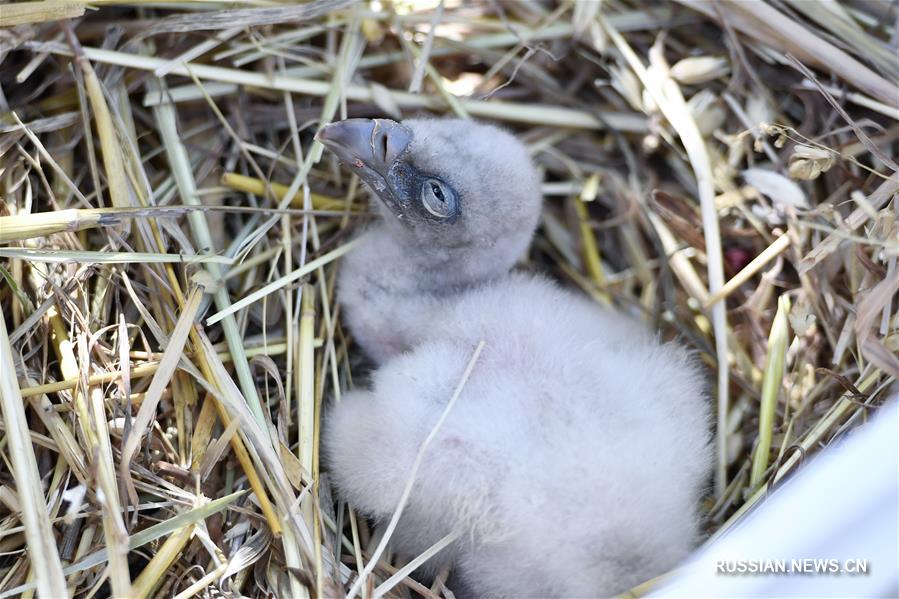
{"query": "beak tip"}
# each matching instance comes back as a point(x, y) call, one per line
point(339, 138)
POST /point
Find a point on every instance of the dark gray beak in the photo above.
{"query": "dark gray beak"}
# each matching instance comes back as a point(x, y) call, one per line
point(370, 146)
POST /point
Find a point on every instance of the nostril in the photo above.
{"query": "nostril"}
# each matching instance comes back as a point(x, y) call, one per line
point(386, 141)
point(385, 145)
point(380, 141)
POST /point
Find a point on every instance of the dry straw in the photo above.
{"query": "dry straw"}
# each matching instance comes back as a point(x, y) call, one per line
point(170, 236)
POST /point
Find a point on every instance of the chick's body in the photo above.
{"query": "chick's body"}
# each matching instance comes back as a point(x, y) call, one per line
point(570, 455)
point(573, 459)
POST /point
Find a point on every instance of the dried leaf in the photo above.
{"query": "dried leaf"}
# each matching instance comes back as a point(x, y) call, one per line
point(700, 69)
point(777, 188)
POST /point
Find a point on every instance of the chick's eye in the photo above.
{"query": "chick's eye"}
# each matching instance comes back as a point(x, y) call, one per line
point(438, 198)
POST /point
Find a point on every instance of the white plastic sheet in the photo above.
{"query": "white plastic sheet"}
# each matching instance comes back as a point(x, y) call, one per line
point(830, 531)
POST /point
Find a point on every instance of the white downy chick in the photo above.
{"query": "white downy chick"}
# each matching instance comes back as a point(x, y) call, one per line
point(576, 454)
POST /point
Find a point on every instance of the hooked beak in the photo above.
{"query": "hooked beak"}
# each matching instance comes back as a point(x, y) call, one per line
point(374, 149)
point(370, 146)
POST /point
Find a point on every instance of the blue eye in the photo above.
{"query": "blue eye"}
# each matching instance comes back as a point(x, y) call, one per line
point(438, 198)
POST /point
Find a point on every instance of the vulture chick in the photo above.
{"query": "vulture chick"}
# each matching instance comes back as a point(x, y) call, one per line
point(575, 456)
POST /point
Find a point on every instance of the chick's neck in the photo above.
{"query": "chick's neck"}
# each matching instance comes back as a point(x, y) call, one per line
point(395, 293)
point(411, 266)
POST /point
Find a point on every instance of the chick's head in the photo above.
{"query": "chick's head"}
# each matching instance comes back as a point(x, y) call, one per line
point(443, 183)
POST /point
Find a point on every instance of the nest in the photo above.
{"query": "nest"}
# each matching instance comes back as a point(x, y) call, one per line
point(170, 235)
